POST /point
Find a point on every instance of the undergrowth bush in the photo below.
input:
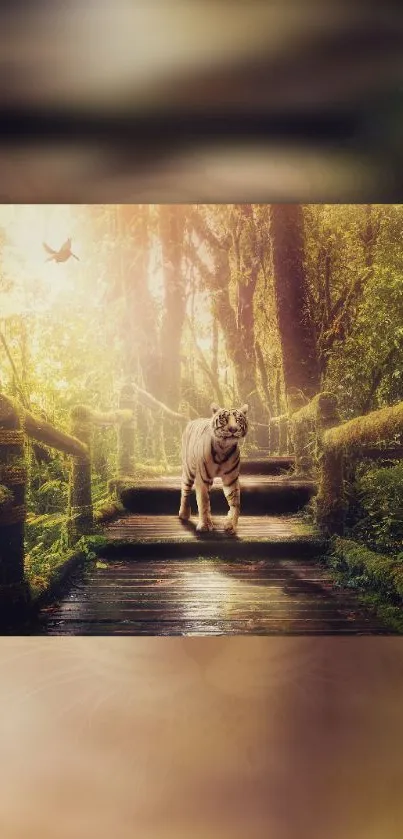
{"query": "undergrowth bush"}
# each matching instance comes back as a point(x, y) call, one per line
point(378, 508)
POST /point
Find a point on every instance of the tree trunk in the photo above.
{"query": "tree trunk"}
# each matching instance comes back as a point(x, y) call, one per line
point(172, 222)
point(250, 267)
point(142, 358)
point(171, 227)
point(300, 364)
point(140, 319)
point(237, 327)
point(214, 365)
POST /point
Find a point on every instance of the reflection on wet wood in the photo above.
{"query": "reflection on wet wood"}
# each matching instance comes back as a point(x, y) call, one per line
point(206, 596)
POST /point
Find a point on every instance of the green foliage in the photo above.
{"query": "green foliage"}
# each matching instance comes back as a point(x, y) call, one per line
point(43, 530)
point(48, 486)
point(91, 545)
point(47, 556)
point(52, 495)
point(46, 546)
point(354, 260)
point(378, 508)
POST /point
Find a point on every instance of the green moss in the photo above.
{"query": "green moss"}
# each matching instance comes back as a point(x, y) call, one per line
point(107, 509)
point(322, 405)
point(91, 545)
point(378, 579)
point(381, 426)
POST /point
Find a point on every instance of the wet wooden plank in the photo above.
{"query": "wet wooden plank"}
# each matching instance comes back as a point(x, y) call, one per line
point(151, 612)
point(168, 528)
point(249, 482)
point(189, 629)
point(188, 597)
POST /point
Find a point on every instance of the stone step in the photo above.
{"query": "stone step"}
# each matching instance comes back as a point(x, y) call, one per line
point(267, 465)
point(263, 464)
point(260, 494)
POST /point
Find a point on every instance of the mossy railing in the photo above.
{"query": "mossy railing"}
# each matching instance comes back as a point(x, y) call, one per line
point(17, 424)
point(368, 436)
point(84, 420)
point(323, 447)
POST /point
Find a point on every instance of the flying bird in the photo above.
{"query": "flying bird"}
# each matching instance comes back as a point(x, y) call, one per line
point(62, 255)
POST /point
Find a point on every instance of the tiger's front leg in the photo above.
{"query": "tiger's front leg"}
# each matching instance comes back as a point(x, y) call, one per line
point(203, 505)
point(186, 489)
point(232, 492)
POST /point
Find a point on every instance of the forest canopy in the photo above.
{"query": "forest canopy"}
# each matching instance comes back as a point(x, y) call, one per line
point(194, 303)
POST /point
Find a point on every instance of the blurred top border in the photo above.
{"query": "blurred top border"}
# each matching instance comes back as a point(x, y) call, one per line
point(201, 101)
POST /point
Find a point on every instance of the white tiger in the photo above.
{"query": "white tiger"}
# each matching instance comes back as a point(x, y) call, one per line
point(210, 447)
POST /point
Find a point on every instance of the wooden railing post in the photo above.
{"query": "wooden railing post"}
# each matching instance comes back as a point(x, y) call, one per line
point(303, 456)
point(125, 433)
point(283, 435)
point(346, 442)
point(299, 431)
point(330, 501)
point(80, 521)
point(273, 436)
point(14, 591)
point(314, 418)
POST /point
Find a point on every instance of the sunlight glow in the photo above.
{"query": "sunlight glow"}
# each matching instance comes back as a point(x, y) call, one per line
point(32, 285)
point(155, 271)
point(221, 588)
point(36, 282)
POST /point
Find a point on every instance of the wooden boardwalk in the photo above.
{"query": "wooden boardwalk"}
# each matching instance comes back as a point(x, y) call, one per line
point(158, 576)
point(205, 596)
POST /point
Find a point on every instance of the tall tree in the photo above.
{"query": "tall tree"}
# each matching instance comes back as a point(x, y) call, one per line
point(171, 228)
point(139, 310)
point(343, 268)
point(234, 251)
point(300, 363)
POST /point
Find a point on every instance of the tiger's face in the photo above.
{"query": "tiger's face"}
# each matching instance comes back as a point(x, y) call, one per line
point(229, 426)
